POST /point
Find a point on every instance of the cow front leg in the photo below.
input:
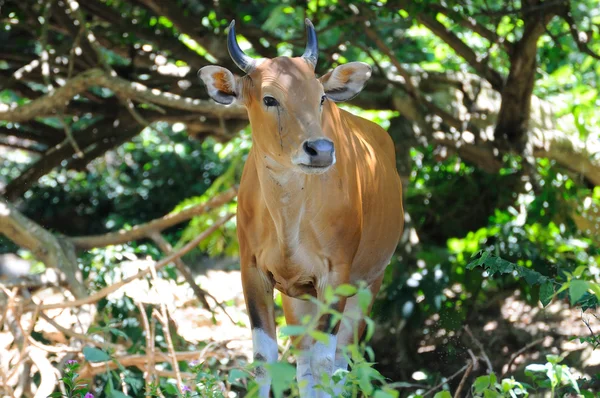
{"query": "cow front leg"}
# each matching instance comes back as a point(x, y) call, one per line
point(258, 294)
point(354, 321)
point(323, 353)
point(295, 310)
point(313, 358)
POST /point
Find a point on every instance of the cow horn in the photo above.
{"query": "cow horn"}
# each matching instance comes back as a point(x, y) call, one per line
point(311, 53)
point(243, 61)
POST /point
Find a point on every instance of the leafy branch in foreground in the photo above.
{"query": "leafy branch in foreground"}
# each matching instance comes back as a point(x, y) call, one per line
point(549, 287)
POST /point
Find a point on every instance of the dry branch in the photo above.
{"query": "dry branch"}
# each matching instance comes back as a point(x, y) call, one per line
point(79, 336)
point(139, 360)
point(163, 318)
point(519, 352)
point(160, 264)
point(143, 230)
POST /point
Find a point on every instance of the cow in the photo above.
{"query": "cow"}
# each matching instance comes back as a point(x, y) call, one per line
point(320, 199)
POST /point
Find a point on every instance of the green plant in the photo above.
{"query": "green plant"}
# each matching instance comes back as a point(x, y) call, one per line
point(74, 387)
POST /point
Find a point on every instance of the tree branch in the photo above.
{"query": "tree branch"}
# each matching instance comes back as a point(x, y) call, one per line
point(143, 230)
point(160, 264)
point(581, 45)
point(480, 65)
point(59, 98)
point(51, 250)
point(470, 23)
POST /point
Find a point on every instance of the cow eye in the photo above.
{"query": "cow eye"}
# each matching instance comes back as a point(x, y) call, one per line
point(322, 100)
point(270, 101)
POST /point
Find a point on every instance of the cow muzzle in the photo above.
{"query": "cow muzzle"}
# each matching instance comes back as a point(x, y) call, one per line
point(317, 156)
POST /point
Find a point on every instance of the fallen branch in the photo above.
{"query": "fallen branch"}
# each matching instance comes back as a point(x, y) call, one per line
point(91, 369)
point(463, 380)
point(143, 230)
point(519, 352)
point(481, 349)
point(116, 286)
point(454, 376)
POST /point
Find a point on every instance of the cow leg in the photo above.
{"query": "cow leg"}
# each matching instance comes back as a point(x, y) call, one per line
point(322, 358)
point(258, 293)
point(345, 336)
point(295, 310)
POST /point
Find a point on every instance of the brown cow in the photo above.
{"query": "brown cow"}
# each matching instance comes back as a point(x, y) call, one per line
point(320, 200)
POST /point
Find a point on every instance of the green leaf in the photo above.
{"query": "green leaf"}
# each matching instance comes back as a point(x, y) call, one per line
point(345, 290)
point(481, 383)
point(320, 336)
point(535, 367)
point(93, 354)
point(117, 394)
point(364, 300)
point(546, 293)
point(386, 394)
point(577, 289)
point(170, 388)
point(282, 375)
point(443, 394)
point(236, 374)
point(293, 330)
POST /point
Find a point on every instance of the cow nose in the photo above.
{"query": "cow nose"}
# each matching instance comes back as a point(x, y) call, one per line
point(320, 152)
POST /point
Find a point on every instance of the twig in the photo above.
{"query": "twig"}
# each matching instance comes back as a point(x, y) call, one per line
point(153, 353)
point(79, 336)
point(587, 323)
point(12, 295)
point(581, 45)
point(455, 375)
point(481, 349)
point(5, 384)
point(46, 14)
point(166, 248)
point(463, 380)
point(52, 349)
point(163, 317)
point(26, 338)
point(148, 376)
point(138, 360)
point(519, 352)
point(182, 267)
point(158, 265)
point(69, 135)
point(73, 51)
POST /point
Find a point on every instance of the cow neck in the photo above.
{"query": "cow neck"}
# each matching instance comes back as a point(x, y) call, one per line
point(290, 196)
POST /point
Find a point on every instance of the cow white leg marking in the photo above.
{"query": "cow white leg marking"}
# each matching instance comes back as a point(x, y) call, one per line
point(304, 375)
point(322, 360)
point(265, 350)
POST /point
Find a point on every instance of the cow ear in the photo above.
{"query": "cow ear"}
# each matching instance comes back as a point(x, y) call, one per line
point(220, 83)
point(346, 81)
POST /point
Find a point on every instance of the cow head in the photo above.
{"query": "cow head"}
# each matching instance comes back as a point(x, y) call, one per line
point(285, 101)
